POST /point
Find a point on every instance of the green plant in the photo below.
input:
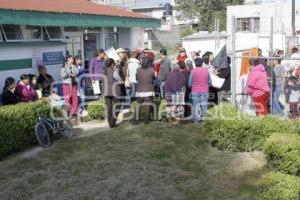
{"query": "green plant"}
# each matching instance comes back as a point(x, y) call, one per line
point(97, 109)
point(17, 125)
point(278, 186)
point(229, 129)
point(283, 152)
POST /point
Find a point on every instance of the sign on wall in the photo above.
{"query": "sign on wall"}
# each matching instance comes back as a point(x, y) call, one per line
point(53, 58)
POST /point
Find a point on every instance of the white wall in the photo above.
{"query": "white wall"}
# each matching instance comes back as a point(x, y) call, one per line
point(28, 52)
point(280, 11)
point(201, 44)
point(125, 38)
point(137, 40)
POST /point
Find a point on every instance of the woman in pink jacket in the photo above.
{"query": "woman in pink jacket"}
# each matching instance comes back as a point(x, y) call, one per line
point(258, 88)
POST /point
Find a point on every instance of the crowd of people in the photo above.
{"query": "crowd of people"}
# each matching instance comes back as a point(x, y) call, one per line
point(28, 89)
point(277, 77)
point(186, 83)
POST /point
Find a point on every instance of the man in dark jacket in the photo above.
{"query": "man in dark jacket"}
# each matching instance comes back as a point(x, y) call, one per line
point(44, 81)
point(225, 73)
point(112, 92)
point(165, 68)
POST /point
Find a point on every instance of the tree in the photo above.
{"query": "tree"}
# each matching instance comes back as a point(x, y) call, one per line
point(207, 11)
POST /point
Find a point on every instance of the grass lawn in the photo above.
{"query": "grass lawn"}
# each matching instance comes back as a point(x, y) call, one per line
point(142, 162)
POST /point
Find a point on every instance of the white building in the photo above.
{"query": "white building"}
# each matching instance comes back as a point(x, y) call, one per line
point(253, 21)
point(42, 32)
point(253, 29)
point(204, 41)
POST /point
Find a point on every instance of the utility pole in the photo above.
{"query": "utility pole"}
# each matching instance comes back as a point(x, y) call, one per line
point(293, 18)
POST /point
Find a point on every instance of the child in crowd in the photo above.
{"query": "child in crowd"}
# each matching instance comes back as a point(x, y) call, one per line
point(293, 96)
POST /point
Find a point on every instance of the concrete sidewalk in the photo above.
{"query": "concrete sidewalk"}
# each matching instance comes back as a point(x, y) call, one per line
point(85, 129)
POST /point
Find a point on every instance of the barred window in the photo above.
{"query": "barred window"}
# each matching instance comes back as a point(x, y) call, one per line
point(248, 24)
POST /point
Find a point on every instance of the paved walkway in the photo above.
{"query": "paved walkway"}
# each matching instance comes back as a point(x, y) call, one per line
point(82, 130)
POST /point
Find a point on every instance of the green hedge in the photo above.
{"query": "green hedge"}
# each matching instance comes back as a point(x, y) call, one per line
point(283, 152)
point(17, 125)
point(229, 129)
point(278, 186)
point(96, 109)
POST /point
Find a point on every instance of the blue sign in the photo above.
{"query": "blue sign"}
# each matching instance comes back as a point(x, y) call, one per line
point(53, 58)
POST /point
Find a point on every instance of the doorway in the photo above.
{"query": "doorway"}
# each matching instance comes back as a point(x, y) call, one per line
point(91, 44)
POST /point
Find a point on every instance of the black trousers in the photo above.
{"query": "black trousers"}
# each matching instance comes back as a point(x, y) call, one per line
point(113, 109)
point(144, 103)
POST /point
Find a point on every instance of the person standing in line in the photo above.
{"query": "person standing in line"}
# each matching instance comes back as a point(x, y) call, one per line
point(81, 84)
point(25, 91)
point(145, 88)
point(133, 66)
point(97, 68)
point(112, 92)
point(208, 59)
point(293, 96)
point(9, 96)
point(124, 55)
point(182, 56)
point(69, 75)
point(279, 80)
point(186, 73)
point(165, 68)
point(199, 81)
point(175, 91)
point(258, 87)
point(225, 73)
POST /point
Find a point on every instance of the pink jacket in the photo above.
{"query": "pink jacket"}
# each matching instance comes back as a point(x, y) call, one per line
point(25, 93)
point(257, 83)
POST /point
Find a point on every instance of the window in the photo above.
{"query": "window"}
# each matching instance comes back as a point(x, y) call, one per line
point(248, 24)
point(12, 33)
point(54, 33)
point(33, 33)
point(112, 38)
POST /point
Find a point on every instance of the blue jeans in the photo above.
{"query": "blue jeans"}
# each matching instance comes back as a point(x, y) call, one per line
point(199, 99)
point(161, 85)
point(82, 98)
point(130, 93)
point(276, 107)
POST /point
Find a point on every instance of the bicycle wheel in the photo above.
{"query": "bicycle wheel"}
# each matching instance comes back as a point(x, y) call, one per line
point(67, 130)
point(42, 135)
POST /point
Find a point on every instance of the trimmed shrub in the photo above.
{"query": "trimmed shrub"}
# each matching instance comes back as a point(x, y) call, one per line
point(283, 152)
point(277, 186)
point(229, 129)
point(17, 125)
point(96, 109)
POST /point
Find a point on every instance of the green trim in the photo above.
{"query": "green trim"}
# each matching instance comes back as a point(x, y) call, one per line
point(31, 44)
point(15, 64)
point(69, 19)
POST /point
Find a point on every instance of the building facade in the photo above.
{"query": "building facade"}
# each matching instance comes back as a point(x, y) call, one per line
point(43, 31)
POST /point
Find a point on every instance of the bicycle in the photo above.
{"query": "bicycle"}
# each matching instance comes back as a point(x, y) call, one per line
point(57, 127)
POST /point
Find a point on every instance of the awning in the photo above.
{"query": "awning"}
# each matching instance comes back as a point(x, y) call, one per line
point(78, 20)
